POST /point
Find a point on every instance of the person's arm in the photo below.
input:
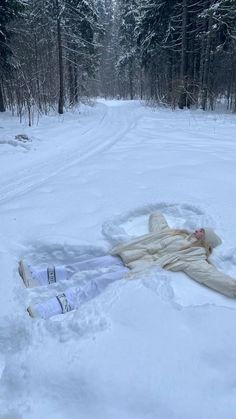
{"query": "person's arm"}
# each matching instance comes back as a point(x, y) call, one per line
point(157, 223)
point(205, 273)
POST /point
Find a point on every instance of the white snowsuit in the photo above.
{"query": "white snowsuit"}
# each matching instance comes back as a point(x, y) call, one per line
point(176, 251)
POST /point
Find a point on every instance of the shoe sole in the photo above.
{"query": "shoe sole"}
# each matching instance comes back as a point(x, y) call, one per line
point(31, 312)
point(26, 275)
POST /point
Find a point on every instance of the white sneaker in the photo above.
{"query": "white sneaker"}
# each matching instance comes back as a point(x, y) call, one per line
point(26, 275)
point(46, 309)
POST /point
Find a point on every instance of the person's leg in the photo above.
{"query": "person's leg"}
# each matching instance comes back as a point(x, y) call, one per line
point(72, 298)
point(36, 276)
point(90, 289)
point(98, 262)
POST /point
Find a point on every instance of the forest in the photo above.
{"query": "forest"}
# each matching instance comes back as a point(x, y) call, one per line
point(57, 53)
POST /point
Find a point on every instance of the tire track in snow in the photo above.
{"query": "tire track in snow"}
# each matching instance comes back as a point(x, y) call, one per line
point(27, 173)
point(28, 180)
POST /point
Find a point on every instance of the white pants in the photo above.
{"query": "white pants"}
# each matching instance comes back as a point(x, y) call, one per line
point(98, 262)
point(73, 297)
point(52, 274)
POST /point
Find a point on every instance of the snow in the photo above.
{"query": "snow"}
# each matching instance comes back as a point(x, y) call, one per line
point(158, 346)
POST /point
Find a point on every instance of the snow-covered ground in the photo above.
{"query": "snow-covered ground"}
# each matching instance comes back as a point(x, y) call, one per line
point(160, 346)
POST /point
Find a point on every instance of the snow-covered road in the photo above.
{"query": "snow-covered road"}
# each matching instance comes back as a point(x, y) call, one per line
point(105, 130)
point(160, 346)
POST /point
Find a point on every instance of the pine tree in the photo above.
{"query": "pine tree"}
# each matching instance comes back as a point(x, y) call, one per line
point(56, 52)
point(127, 62)
point(218, 20)
point(184, 17)
point(182, 43)
point(77, 26)
point(157, 42)
point(106, 50)
point(8, 12)
point(82, 35)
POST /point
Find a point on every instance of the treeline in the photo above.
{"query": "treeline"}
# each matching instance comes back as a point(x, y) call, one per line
point(49, 54)
point(178, 52)
point(54, 53)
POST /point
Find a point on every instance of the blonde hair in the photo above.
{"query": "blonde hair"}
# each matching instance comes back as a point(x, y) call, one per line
point(204, 244)
point(195, 243)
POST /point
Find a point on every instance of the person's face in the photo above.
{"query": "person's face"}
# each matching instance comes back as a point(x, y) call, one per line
point(199, 233)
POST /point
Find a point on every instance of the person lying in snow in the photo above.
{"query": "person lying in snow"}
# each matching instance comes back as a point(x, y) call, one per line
point(171, 249)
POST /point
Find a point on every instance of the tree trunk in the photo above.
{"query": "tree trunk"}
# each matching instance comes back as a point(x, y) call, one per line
point(206, 68)
point(60, 62)
point(131, 79)
point(2, 105)
point(76, 88)
point(71, 82)
point(141, 83)
point(37, 72)
point(183, 79)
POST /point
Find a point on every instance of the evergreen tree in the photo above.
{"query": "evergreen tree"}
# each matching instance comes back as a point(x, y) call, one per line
point(56, 52)
point(9, 10)
point(77, 26)
point(82, 31)
point(106, 50)
point(127, 62)
point(218, 20)
point(157, 40)
point(182, 43)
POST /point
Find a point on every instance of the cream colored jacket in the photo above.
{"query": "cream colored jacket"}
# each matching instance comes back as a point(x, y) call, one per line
point(173, 250)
